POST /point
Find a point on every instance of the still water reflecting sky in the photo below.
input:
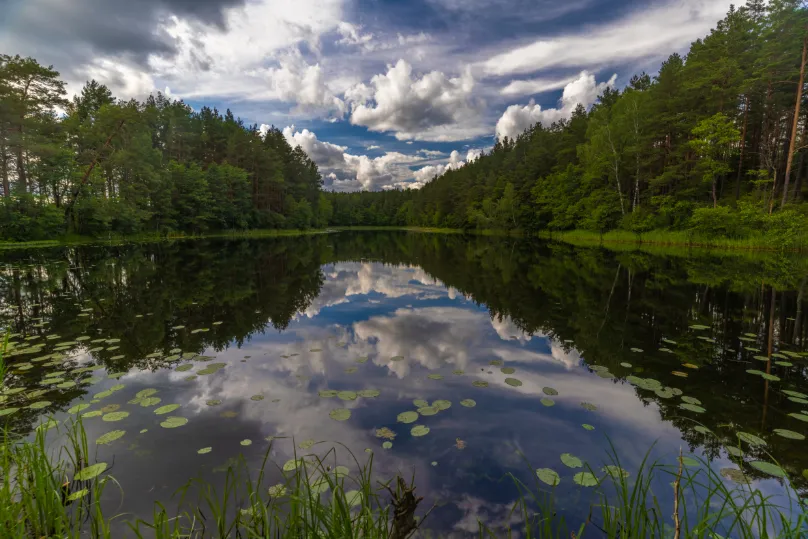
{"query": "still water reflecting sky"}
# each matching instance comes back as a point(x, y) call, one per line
point(296, 317)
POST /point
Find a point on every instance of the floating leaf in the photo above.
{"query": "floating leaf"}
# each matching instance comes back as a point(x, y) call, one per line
point(571, 461)
point(246, 442)
point(420, 403)
point(692, 408)
point(585, 479)
point(751, 439)
point(735, 475)
point(276, 491)
point(110, 437)
point(39, 405)
point(513, 382)
point(78, 408)
point(185, 367)
point(257, 398)
point(664, 393)
point(548, 476)
point(419, 430)
point(66, 385)
point(316, 350)
point(699, 327)
point(468, 403)
point(796, 394)
point(94, 413)
point(350, 370)
point(340, 414)
point(702, 429)
point(435, 376)
point(9, 411)
point(589, 406)
point(479, 383)
point(387, 445)
point(213, 402)
point(110, 408)
point(115, 416)
point(789, 434)
point(507, 370)
point(734, 451)
point(292, 464)
point(228, 414)
point(396, 358)
point(626, 365)
point(385, 433)
point(547, 402)
point(347, 395)
point(442, 404)
point(638, 350)
point(615, 472)
point(691, 400)
point(173, 422)
point(369, 393)
point(801, 417)
point(588, 427)
point(460, 444)
point(768, 468)
point(205, 450)
point(168, 408)
point(458, 372)
point(328, 393)
point(428, 410)
point(150, 401)
point(689, 461)
point(353, 498)
point(680, 374)
point(495, 363)
point(85, 474)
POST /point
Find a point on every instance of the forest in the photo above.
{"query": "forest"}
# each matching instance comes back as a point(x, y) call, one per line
point(96, 165)
point(714, 144)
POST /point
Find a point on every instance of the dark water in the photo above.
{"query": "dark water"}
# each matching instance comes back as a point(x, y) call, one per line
point(291, 317)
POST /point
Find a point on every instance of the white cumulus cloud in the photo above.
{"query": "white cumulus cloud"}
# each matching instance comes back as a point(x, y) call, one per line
point(583, 90)
point(432, 107)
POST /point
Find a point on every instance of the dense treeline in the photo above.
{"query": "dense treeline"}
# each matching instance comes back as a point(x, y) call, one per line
point(714, 143)
point(95, 164)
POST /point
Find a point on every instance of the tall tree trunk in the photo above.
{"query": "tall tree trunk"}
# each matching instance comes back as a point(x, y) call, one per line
point(22, 179)
point(743, 146)
point(792, 143)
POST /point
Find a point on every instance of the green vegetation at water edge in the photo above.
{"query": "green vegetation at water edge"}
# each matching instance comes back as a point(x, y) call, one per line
point(60, 493)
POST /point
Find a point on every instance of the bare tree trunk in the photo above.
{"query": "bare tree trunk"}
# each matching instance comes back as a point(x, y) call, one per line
point(616, 167)
point(792, 143)
point(22, 179)
point(743, 146)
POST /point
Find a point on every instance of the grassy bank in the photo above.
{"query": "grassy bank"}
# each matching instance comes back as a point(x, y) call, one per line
point(57, 493)
point(671, 238)
point(148, 238)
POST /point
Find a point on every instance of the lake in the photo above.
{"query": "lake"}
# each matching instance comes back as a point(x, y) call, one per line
point(521, 350)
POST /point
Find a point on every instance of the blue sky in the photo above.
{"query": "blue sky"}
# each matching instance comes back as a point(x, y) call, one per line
point(380, 93)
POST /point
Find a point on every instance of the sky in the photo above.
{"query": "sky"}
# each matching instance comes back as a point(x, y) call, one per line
point(382, 94)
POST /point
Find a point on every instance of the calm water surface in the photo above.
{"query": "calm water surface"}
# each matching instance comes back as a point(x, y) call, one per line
point(414, 316)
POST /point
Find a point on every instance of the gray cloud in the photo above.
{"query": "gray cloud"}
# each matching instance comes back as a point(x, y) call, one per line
point(70, 33)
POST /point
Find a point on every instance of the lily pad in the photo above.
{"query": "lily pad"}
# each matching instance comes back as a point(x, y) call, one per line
point(340, 414)
point(691, 400)
point(397, 358)
point(547, 402)
point(39, 405)
point(468, 403)
point(768, 468)
point(789, 434)
point(387, 445)
point(292, 464)
point(166, 409)
point(353, 498)
point(796, 394)
point(459, 372)
point(589, 406)
point(428, 410)
point(369, 393)
point(702, 429)
point(173, 422)
point(734, 451)
point(213, 402)
point(150, 401)
point(735, 475)
point(507, 370)
point(246, 442)
point(347, 395)
point(420, 403)
point(692, 408)
point(548, 476)
point(185, 367)
point(479, 383)
point(90, 472)
point(328, 393)
point(588, 426)
point(205, 450)
point(442, 404)
point(419, 430)
point(257, 398)
point(549, 391)
point(625, 364)
point(115, 416)
point(435, 376)
point(751, 439)
point(615, 472)
point(514, 382)
point(94, 413)
point(79, 494)
point(9, 411)
point(585, 479)
point(571, 461)
point(110, 437)
point(78, 408)
point(110, 408)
